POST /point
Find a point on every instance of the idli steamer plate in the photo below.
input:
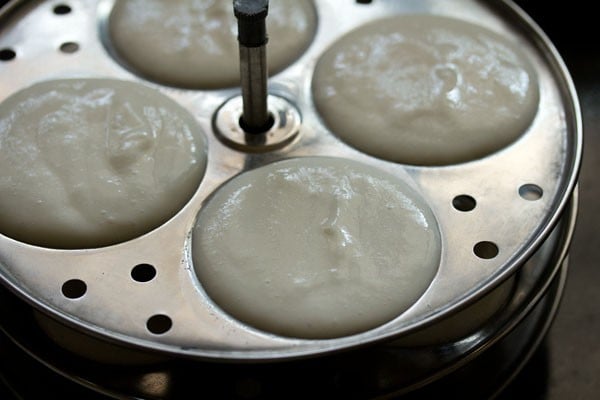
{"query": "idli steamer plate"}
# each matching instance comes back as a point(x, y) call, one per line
point(38, 41)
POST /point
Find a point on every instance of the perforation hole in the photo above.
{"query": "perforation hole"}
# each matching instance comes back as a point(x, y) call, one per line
point(486, 250)
point(69, 47)
point(7, 54)
point(74, 289)
point(531, 192)
point(464, 203)
point(62, 9)
point(159, 324)
point(143, 273)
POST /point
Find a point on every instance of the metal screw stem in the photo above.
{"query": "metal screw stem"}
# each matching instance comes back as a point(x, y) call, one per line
point(252, 38)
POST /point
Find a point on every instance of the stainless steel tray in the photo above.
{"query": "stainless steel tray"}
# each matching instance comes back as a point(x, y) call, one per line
point(116, 308)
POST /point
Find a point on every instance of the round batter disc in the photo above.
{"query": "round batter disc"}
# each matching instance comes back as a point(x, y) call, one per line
point(193, 43)
point(426, 90)
point(92, 162)
point(315, 247)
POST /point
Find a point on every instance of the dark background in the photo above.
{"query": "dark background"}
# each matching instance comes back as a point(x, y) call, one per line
point(567, 366)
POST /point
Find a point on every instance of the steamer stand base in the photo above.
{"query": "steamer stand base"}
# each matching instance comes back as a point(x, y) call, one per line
point(27, 373)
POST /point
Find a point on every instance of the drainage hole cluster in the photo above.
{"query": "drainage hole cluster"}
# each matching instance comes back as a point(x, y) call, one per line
point(157, 324)
point(60, 10)
point(487, 250)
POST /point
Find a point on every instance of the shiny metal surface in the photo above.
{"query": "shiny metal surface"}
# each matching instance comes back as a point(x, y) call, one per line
point(372, 374)
point(117, 308)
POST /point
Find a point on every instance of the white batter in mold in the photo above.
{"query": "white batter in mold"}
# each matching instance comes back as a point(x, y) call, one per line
point(426, 90)
point(92, 162)
point(193, 43)
point(315, 247)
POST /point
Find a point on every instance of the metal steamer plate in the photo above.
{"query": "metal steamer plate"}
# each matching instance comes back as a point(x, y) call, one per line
point(42, 40)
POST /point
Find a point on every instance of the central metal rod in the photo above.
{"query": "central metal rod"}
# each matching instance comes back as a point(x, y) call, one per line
point(252, 38)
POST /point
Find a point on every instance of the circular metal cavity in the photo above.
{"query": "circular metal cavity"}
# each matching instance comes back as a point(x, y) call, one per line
point(117, 308)
point(285, 126)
